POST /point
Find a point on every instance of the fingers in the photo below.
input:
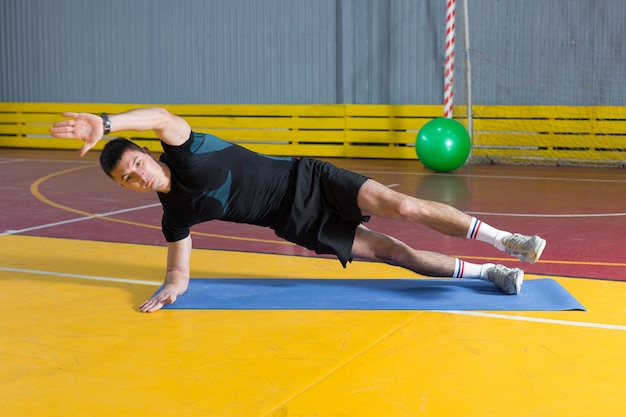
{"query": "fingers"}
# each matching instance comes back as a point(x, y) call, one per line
point(156, 303)
point(149, 307)
point(63, 123)
point(63, 129)
point(81, 126)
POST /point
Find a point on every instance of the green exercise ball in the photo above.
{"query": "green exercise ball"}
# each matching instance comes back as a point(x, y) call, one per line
point(443, 144)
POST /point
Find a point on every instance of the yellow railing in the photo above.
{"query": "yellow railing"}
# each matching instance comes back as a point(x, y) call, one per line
point(367, 131)
point(526, 133)
point(593, 134)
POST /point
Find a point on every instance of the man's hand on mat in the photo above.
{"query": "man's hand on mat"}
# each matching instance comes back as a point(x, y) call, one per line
point(166, 296)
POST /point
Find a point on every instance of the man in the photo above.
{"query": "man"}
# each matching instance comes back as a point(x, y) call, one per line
point(200, 177)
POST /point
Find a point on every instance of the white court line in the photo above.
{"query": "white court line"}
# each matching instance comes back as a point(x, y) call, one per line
point(458, 312)
point(502, 177)
point(537, 320)
point(487, 213)
point(89, 277)
point(10, 161)
point(79, 219)
point(48, 161)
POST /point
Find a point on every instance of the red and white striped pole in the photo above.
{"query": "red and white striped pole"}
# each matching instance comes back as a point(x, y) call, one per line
point(448, 63)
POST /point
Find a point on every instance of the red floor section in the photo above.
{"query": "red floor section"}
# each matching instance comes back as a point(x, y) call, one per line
point(579, 211)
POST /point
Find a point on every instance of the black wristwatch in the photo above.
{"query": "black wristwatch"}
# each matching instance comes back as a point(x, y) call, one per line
point(106, 123)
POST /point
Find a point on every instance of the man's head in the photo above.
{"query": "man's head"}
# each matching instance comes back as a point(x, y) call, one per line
point(133, 167)
point(113, 151)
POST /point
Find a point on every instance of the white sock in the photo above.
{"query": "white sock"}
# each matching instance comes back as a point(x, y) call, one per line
point(483, 232)
point(469, 270)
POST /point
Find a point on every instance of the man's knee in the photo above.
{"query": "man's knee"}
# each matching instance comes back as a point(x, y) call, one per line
point(409, 208)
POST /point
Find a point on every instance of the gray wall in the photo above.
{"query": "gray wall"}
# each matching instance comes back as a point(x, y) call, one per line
point(309, 51)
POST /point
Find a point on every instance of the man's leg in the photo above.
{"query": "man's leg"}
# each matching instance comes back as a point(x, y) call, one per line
point(378, 200)
point(372, 245)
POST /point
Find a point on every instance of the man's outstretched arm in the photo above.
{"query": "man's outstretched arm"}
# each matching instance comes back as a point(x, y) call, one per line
point(176, 278)
point(171, 129)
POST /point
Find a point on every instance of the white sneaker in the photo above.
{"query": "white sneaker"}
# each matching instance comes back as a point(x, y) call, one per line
point(526, 248)
point(508, 280)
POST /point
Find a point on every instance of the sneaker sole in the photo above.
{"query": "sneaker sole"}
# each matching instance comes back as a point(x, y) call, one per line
point(519, 280)
point(537, 253)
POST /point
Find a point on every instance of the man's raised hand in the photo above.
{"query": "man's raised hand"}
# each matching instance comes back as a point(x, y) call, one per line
point(84, 126)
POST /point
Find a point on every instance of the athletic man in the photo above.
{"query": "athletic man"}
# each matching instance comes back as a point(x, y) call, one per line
point(312, 203)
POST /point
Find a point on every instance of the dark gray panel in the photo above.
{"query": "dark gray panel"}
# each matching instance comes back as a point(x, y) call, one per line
point(302, 51)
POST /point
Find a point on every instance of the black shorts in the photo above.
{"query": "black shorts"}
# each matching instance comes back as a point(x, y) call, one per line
point(320, 211)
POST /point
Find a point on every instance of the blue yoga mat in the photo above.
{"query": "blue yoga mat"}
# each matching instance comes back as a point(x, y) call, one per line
point(370, 294)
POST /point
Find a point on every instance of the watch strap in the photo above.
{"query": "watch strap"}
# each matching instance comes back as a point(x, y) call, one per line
point(106, 123)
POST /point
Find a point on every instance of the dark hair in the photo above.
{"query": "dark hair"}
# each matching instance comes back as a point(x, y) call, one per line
point(113, 151)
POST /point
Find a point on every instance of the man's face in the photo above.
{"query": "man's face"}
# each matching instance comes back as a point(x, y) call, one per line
point(138, 171)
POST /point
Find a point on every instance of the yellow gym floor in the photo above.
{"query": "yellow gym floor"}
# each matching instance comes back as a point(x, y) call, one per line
point(74, 344)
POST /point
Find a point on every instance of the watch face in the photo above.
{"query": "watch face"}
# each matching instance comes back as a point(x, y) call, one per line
point(106, 122)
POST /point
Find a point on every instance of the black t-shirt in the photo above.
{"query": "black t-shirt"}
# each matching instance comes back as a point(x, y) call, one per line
point(215, 179)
